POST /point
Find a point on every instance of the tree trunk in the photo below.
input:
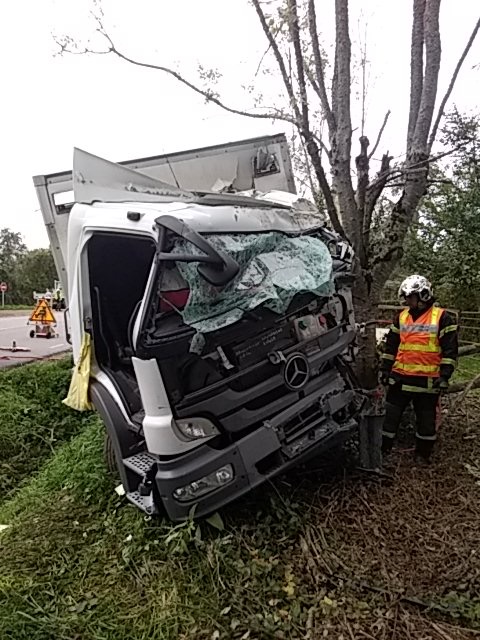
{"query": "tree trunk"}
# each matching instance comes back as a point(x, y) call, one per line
point(365, 311)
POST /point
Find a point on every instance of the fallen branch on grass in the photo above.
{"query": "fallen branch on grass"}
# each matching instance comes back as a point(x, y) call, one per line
point(466, 387)
point(468, 350)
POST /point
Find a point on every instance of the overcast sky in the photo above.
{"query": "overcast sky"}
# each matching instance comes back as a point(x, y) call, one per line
point(112, 109)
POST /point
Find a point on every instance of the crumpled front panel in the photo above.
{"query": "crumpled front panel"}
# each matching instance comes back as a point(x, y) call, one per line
point(273, 269)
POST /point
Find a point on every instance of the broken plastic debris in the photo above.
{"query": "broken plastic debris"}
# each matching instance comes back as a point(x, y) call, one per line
point(4, 526)
point(120, 490)
point(198, 343)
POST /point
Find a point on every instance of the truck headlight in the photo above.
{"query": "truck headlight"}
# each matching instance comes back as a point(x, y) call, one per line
point(219, 478)
point(194, 428)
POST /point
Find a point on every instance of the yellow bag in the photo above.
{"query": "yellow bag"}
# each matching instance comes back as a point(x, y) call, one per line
point(77, 397)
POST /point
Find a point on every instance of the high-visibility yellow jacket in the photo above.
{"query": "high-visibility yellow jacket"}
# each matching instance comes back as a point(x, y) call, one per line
point(421, 346)
point(419, 352)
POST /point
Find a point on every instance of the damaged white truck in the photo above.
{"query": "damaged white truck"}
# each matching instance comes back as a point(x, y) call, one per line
point(220, 313)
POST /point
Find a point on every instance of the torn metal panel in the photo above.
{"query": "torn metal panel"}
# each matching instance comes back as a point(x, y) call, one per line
point(97, 179)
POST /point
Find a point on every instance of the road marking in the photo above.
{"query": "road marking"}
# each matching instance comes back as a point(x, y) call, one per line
point(17, 326)
point(57, 346)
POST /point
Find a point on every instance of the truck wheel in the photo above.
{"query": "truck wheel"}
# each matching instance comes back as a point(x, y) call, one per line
point(32, 333)
point(109, 455)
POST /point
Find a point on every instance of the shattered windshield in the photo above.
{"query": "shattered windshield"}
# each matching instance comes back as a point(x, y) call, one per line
point(273, 269)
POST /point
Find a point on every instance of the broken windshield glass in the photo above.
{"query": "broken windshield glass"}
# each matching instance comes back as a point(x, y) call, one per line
point(273, 269)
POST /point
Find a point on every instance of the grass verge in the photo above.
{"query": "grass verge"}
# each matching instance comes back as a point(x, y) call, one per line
point(33, 421)
point(325, 552)
point(468, 368)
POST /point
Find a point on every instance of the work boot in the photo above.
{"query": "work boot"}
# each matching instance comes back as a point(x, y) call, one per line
point(421, 460)
point(423, 452)
point(387, 445)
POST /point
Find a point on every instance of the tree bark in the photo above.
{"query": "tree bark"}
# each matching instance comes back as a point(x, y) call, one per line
point(468, 350)
point(322, 91)
point(426, 32)
point(341, 139)
point(365, 311)
point(433, 51)
point(416, 67)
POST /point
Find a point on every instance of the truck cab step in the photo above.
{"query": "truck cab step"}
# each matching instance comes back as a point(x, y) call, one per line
point(144, 503)
point(140, 463)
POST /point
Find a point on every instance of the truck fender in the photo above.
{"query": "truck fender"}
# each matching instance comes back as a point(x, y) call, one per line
point(124, 442)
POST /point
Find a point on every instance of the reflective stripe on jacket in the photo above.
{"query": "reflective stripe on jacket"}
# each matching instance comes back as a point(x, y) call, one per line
point(419, 352)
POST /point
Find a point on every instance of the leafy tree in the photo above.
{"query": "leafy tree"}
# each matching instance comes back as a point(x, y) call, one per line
point(24, 271)
point(318, 105)
point(444, 245)
point(12, 249)
point(36, 272)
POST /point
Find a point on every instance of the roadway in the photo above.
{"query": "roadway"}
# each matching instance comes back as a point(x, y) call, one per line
point(15, 328)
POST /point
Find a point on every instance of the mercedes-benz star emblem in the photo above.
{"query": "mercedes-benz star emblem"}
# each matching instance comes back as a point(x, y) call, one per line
point(296, 371)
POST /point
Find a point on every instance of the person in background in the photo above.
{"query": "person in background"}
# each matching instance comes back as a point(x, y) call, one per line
point(419, 359)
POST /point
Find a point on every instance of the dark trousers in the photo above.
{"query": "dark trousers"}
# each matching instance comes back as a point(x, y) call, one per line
point(425, 406)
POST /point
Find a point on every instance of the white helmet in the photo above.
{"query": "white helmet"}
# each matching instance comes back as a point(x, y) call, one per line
point(416, 284)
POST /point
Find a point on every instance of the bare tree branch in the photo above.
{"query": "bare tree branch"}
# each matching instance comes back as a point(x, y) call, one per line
point(418, 167)
point(464, 386)
point(374, 191)
point(363, 64)
point(316, 88)
point(362, 165)
point(294, 30)
point(279, 58)
point(448, 93)
point(468, 350)
point(205, 93)
point(307, 161)
point(313, 151)
point(380, 133)
point(261, 61)
point(322, 90)
point(302, 116)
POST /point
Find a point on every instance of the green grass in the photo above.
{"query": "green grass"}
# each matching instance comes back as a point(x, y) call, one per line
point(33, 421)
point(468, 368)
point(79, 563)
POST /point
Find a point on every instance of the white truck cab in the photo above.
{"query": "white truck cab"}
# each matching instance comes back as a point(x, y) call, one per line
point(220, 312)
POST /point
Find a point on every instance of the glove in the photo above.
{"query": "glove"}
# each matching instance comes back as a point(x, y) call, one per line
point(384, 378)
point(440, 383)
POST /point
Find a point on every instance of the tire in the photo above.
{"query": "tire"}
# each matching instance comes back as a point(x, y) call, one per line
point(32, 333)
point(109, 455)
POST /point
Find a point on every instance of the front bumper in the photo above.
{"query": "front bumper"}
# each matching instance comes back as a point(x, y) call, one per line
point(289, 438)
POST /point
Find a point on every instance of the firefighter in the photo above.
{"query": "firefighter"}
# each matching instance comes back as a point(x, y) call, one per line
point(419, 359)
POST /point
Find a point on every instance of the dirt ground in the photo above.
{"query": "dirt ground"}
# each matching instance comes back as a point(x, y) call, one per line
point(407, 544)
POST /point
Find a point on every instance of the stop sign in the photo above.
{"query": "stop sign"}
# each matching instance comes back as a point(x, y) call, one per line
point(3, 287)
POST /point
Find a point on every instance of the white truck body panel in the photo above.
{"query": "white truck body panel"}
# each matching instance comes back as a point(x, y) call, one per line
point(195, 170)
